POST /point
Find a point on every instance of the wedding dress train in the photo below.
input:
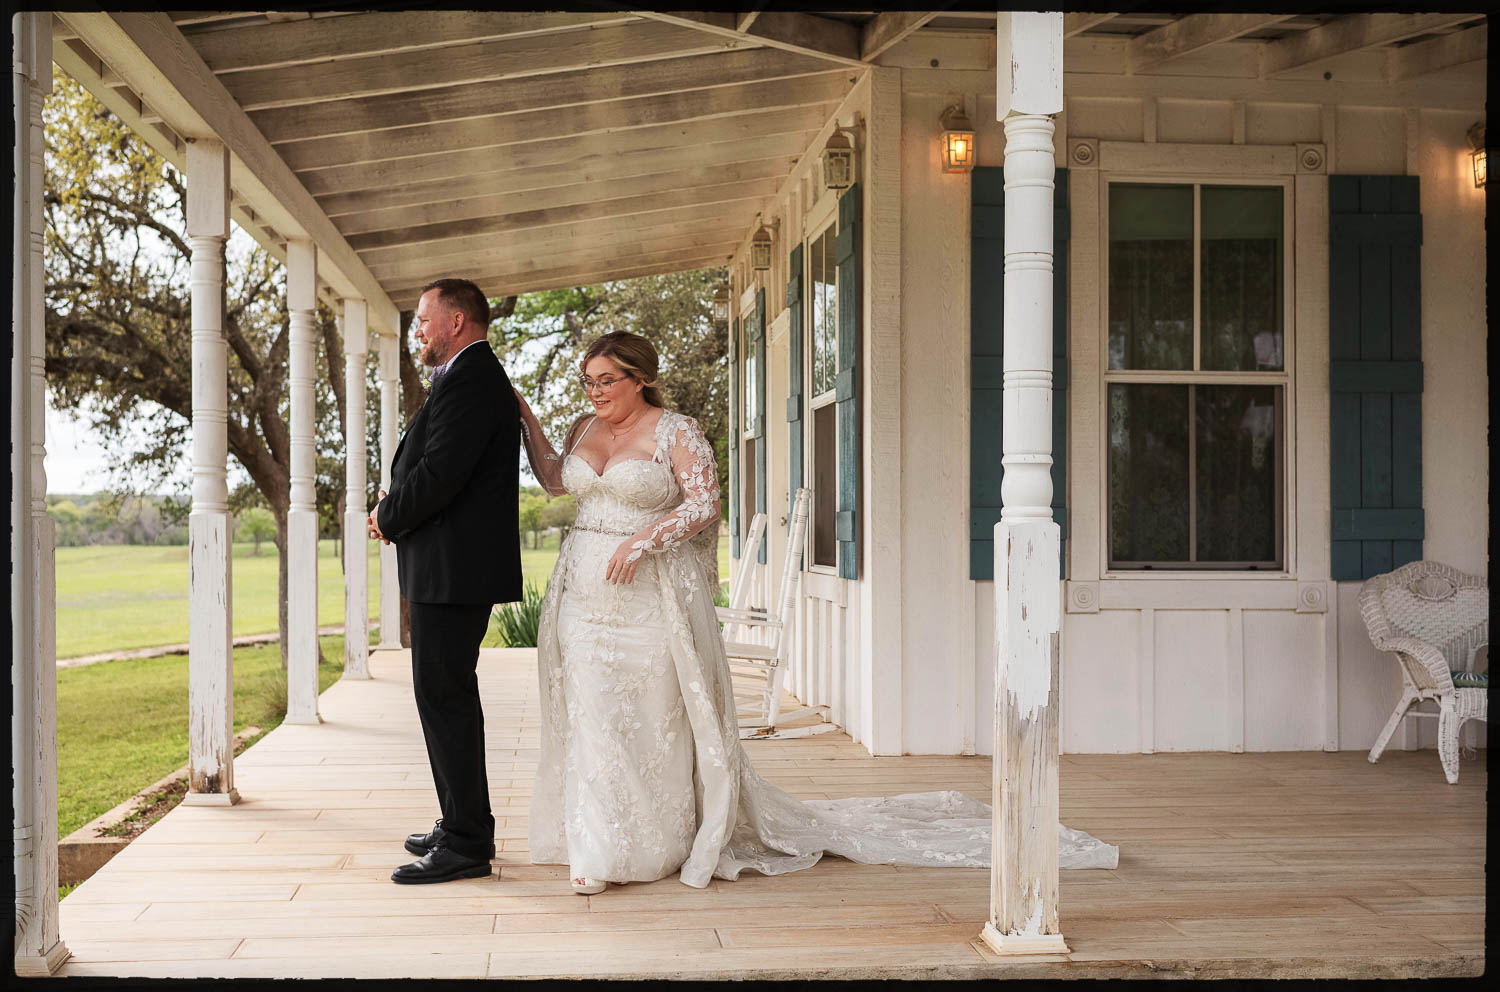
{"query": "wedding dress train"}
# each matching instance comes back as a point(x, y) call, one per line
point(640, 772)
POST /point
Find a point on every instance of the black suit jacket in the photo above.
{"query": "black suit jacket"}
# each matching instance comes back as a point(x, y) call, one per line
point(452, 508)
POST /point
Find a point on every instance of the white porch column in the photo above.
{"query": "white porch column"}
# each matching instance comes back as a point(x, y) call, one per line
point(1023, 877)
point(210, 650)
point(38, 948)
point(390, 588)
point(356, 543)
point(302, 516)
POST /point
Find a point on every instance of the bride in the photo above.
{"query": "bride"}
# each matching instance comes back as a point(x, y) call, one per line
point(640, 772)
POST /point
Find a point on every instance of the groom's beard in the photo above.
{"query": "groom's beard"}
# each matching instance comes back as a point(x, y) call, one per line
point(431, 355)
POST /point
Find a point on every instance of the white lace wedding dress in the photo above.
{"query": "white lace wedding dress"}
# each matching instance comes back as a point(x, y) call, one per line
point(640, 772)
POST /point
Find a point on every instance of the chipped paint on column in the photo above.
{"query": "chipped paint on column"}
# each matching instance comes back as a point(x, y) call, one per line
point(210, 600)
point(302, 516)
point(356, 546)
point(390, 589)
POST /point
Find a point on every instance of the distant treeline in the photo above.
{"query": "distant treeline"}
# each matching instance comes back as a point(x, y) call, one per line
point(104, 518)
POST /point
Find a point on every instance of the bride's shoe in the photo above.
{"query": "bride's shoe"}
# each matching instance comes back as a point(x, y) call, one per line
point(589, 886)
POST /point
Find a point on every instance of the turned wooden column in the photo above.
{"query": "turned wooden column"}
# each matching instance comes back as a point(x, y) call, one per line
point(38, 949)
point(1024, 883)
point(210, 530)
point(302, 516)
point(390, 394)
point(356, 543)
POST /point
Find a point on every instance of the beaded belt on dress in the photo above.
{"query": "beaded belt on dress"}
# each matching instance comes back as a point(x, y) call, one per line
point(601, 530)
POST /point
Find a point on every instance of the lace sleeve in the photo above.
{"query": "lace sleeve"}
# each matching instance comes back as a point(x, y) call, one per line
point(693, 464)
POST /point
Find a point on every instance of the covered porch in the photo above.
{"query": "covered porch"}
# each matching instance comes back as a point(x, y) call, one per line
point(1299, 864)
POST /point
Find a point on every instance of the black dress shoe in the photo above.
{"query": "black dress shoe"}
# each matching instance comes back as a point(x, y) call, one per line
point(420, 844)
point(440, 864)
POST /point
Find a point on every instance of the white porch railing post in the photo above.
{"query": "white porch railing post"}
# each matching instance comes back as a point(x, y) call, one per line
point(302, 516)
point(356, 543)
point(39, 949)
point(390, 588)
point(210, 537)
point(1024, 883)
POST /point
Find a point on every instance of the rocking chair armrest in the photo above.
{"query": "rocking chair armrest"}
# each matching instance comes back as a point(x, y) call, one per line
point(742, 616)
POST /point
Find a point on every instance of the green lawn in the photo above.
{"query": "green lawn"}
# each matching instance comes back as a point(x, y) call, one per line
point(107, 752)
point(119, 597)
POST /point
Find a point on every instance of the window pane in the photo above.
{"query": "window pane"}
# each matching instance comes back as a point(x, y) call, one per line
point(1148, 473)
point(747, 492)
point(1241, 277)
point(825, 485)
point(1150, 276)
point(824, 303)
point(752, 369)
point(1238, 447)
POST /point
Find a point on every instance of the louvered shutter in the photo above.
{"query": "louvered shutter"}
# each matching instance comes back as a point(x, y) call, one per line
point(1375, 373)
point(759, 331)
point(846, 258)
point(734, 440)
point(987, 362)
point(794, 377)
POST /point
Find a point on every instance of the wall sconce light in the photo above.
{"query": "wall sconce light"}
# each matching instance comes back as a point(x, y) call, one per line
point(760, 249)
point(958, 141)
point(1481, 170)
point(838, 162)
point(721, 304)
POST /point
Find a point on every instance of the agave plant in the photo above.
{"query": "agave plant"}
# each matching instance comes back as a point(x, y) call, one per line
point(516, 623)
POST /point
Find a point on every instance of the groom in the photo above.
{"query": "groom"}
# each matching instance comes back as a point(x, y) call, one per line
point(452, 513)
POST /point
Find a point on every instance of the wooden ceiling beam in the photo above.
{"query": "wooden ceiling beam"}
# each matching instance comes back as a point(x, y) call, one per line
point(556, 264)
point(755, 189)
point(533, 282)
point(271, 45)
point(507, 58)
point(684, 221)
point(458, 208)
point(1351, 33)
point(486, 99)
point(836, 41)
point(626, 243)
point(1078, 23)
point(614, 117)
point(680, 140)
point(890, 28)
point(1436, 54)
point(1191, 34)
point(590, 170)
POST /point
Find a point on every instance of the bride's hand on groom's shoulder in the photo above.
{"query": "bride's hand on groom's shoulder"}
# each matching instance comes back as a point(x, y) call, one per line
point(622, 563)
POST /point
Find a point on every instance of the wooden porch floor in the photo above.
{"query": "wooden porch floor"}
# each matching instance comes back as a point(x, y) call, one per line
point(1254, 865)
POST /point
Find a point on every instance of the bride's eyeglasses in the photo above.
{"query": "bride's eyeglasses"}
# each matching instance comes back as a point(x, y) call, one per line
point(602, 385)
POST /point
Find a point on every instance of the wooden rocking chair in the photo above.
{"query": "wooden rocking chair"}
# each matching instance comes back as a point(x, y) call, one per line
point(748, 571)
point(760, 669)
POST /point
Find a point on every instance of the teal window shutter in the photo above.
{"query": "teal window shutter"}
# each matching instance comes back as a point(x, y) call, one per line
point(846, 390)
point(1375, 373)
point(794, 377)
point(987, 362)
point(734, 441)
point(759, 331)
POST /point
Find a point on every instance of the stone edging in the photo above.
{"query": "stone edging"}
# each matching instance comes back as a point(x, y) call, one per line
point(87, 849)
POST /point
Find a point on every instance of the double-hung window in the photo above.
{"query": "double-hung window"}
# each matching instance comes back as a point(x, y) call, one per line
point(821, 363)
point(750, 405)
point(1196, 381)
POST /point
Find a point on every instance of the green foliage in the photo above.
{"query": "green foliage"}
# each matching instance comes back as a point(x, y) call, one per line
point(257, 524)
point(547, 332)
point(516, 623)
point(121, 725)
point(114, 518)
point(560, 512)
point(531, 516)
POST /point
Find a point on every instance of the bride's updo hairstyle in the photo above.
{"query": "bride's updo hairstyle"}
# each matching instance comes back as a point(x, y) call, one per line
point(635, 356)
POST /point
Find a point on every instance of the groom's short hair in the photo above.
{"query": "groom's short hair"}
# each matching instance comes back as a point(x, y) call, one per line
point(462, 295)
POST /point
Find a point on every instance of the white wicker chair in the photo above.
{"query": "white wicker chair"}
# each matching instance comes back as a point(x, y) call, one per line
point(1432, 619)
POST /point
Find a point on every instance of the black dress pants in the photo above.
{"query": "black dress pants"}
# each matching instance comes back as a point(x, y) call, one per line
point(445, 639)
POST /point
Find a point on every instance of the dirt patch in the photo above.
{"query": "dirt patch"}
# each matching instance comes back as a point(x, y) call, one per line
point(152, 806)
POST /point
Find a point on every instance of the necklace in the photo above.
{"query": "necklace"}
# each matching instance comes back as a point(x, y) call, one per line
point(615, 437)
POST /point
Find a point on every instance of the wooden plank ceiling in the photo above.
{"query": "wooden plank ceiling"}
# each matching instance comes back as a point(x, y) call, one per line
point(530, 150)
point(526, 150)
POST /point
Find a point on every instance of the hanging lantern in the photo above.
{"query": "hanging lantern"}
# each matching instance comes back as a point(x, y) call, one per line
point(760, 250)
point(721, 304)
point(958, 141)
point(838, 162)
point(1480, 159)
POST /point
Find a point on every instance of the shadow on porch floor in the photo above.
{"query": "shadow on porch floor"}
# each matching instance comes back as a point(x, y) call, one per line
point(1252, 865)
